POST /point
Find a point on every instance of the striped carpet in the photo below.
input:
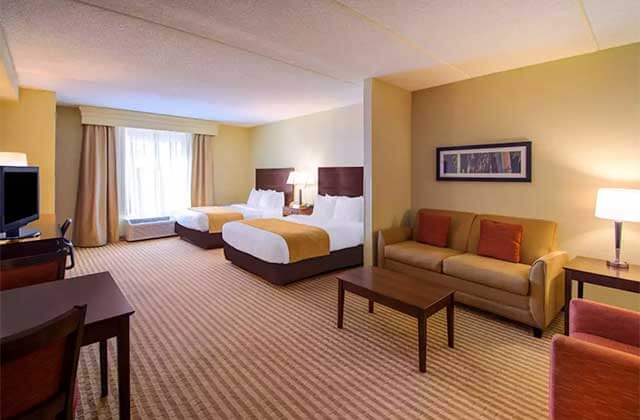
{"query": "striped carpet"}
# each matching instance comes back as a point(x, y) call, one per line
point(211, 341)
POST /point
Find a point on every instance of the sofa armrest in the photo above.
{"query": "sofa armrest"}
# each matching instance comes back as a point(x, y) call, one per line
point(591, 381)
point(604, 321)
point(391, 236)
point(546, 277)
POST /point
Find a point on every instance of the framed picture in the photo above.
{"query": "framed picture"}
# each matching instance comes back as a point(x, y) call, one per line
point(500, 162)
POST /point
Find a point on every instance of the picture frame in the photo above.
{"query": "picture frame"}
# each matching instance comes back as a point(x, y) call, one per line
point(497, 162)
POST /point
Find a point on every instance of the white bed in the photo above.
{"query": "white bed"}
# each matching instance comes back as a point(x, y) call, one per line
point(338, 210)
point(261, 204)
point(200, 221)
point(272, 248)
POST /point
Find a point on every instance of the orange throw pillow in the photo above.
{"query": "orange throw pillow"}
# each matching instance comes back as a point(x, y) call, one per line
point(433, 229)
point(500, 240)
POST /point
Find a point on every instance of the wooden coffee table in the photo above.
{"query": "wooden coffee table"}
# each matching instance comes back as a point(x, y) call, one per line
point(403, 293)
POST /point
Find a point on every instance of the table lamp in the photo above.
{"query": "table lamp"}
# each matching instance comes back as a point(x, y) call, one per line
point(619, 205)
point(298, 178)
point(13, 159)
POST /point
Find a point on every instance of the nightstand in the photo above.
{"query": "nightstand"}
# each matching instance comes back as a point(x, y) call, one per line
point(595, 271)
point(288, 210)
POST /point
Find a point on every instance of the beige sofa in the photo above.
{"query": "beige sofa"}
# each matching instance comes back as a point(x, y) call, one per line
point(530, 292)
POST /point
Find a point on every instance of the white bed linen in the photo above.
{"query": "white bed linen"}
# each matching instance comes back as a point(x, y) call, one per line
point(272, 248)
point(200, 221)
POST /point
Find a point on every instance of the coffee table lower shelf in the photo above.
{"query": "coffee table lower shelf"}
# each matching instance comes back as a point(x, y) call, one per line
point(402, 293)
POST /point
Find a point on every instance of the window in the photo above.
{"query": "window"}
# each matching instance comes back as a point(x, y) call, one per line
point(154, 172)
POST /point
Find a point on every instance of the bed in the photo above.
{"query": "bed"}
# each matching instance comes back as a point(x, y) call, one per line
point(193, 226)
point(266, 254)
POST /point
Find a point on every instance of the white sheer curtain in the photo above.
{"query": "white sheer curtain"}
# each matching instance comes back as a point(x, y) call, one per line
point(154, 172)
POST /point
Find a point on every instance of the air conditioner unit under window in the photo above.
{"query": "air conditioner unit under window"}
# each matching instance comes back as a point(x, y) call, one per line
point(148, 228)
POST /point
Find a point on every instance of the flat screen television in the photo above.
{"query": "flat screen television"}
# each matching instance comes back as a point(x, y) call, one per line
point(19, 203)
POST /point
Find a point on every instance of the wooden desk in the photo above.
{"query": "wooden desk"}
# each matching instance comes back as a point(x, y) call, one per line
point(47, 226)
point(108, 313)
point(596, 271)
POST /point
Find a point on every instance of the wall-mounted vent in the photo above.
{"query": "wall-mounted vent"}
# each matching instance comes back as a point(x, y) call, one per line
point(149, 228)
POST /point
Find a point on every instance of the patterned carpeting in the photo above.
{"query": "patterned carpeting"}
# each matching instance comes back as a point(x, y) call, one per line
point(211, 341)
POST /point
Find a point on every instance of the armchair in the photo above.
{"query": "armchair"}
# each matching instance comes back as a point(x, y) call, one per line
point(595, 371)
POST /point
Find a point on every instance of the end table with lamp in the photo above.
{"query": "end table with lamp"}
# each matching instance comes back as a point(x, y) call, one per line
point(619, 205)
point(301, 179)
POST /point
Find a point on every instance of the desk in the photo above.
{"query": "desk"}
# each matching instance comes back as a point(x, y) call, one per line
point(47, 227)
point(108, 313)
point(595, 271)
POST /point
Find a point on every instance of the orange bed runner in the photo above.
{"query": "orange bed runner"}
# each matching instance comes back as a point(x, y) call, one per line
point(218, 216)
point(303, 241)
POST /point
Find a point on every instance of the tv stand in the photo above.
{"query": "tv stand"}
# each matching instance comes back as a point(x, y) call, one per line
point(15, 234)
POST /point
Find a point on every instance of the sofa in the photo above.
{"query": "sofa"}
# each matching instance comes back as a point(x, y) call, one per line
point(595, 371)
point(530, 291)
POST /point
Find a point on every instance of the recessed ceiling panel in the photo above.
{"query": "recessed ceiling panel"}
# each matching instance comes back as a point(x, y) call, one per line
point(258, 61)
point(322, 35)
point(614, 22)
point(96, 57)
point(481, 37)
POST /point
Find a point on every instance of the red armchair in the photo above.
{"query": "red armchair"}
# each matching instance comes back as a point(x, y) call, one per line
point(595, 371)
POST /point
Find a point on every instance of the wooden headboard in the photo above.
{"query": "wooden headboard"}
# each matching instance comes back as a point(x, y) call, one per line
point(346, 180)
point(275, 179)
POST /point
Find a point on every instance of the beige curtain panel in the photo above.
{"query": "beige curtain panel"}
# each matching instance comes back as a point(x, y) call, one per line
point(202, 170)
point(96, 221)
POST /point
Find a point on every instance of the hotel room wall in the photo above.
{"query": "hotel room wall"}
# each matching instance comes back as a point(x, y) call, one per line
point(68, 150)
point(232, 170)
point(582, 115)
point(329, 138)
point(28, 125)
point(231, 162)
point(387, 138)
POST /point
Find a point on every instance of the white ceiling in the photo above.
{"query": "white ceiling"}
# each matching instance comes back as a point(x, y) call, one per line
point(257, 61)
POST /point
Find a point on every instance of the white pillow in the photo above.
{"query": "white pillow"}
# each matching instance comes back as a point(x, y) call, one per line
point(265, 200)
point(254, 198)
point(271, 199)
point(324, 206)
point(278, 200)
point(349, 209)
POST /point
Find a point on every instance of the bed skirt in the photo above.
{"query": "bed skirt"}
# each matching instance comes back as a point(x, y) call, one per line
point(282, 274)
point(204, 240)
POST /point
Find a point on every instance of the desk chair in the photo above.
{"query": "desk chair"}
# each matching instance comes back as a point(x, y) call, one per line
point(32, 262)
point(39, 368)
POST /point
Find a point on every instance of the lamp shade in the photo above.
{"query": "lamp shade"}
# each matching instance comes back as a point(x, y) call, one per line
point(13, 159)
point(297, 178)
point(619, 204)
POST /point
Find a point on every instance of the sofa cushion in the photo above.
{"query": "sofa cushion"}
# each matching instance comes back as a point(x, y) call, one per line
point(512, 277)
point(500, 240)
point(434, 229)
point(414, 253)
point(458, 229)
point(538, 236)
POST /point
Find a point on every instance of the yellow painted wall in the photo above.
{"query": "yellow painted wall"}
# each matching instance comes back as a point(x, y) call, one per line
point(387, 122)
point(582, 115)
point(233, 173)
point(68, 150)
point(29, 126)
point(329, 138)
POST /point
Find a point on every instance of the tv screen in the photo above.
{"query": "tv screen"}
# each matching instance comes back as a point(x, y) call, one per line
point(19, 195)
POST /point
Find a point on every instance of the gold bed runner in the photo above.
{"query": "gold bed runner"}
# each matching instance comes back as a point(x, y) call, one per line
point(303, 241)
point(218, 216)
